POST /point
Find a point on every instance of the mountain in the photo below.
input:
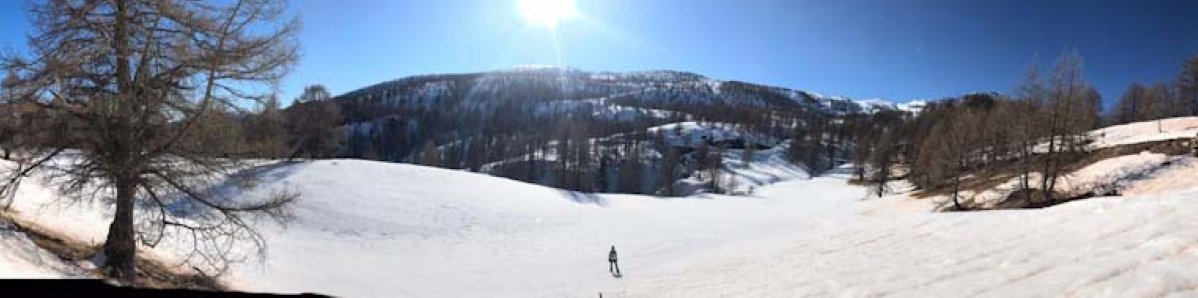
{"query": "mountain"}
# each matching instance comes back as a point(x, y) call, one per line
point(578, 130)
point(552, 83)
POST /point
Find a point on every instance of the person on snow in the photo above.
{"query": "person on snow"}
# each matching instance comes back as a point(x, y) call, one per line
point(612, 265)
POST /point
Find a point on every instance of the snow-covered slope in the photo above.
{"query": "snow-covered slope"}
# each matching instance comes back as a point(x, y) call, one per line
point(843, 105)
point(1147, 131)
point(737, 177)
point(21, 258)
point(1131, 174)
point(690, 134)
point(1108, 247)
point(373, 229)
point(549, 81)
point(378, 229)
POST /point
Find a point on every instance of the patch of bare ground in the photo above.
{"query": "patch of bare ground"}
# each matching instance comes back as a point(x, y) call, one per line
point(995, 174)
point(151, 273)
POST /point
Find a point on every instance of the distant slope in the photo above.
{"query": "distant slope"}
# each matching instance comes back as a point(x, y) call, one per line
point(471, 120)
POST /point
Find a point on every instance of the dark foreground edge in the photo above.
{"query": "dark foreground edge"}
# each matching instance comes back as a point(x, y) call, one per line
point(100, 288)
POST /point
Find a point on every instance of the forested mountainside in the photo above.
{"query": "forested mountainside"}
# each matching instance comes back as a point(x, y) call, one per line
point(588, 131)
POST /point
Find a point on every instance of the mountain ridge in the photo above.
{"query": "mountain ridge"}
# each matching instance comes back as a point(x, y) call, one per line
point(834, 104)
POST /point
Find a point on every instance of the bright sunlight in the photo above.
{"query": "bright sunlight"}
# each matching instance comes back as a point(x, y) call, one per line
point(547, 13)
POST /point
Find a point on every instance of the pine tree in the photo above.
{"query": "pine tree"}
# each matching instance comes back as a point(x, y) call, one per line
point(746, 156)
point(430, 155)
point(881, 159)
point(716, 166)
point(1187, 87)
point(1130, 107)
point(669, 171)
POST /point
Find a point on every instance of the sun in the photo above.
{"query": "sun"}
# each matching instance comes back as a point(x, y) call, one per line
point(547, 13)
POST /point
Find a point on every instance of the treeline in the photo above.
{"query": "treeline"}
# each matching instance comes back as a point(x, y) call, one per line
point(1159, 100)
point(1032, 133)
point(309, 128)
point(963, 137)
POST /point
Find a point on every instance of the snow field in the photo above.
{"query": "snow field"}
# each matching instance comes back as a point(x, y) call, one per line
point(372, 229)
point(1107, 247)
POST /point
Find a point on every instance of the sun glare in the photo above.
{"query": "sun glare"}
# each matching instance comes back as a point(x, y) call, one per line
point(547, 13)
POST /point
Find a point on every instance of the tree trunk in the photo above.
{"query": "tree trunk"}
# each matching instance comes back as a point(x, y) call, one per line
point(956, 201)
point(120, 250)
point(1026, 150)
point(957, 186)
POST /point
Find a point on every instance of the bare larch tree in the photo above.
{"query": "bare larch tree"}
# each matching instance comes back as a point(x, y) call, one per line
point(128, 89)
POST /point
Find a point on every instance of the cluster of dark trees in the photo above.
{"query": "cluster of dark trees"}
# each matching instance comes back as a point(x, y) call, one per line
point(1032, 133)
point(309, 128)
point(1160, 100)
point(823, 141)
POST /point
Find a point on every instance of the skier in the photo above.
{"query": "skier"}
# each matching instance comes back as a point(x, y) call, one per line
point(613, 266)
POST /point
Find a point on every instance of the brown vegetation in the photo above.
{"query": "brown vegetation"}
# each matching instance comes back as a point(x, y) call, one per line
point(151, 273)
point(979, 141)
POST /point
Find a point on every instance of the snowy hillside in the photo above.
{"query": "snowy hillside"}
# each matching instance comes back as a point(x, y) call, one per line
point(377, 229)
point(1134, 173)
point(374, 229)
point(445, 233)
point(21, 258)
point(657, 85)
point(1147, 131)
point(843, 105)
point(690, 134)
point(1109, 247)
point(474, 119)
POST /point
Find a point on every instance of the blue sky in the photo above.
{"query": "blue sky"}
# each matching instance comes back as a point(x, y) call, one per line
point(898, 50)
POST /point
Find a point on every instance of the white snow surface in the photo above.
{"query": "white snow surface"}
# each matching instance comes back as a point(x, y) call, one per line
point(372, 229)
point(691, 134)
point(1145, 173)
point(21, 258)
point(766, 167)
point(914, 106)
point(1106, 247)
point(1147, 131)
point(1179, 174)
point(599, 108)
